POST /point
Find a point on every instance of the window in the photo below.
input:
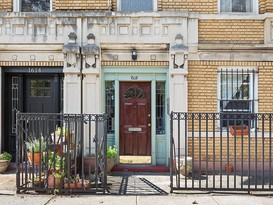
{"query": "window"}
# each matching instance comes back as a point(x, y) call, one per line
point(40, 88)
point(32, 5)
point(239, 6)
point(237, 93)
point(160, 108)
point(110, 105)
point(137, 5)
point(14, 101)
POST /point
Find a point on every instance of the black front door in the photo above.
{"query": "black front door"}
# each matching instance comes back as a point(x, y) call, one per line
point(33, 93)
point(41, 94)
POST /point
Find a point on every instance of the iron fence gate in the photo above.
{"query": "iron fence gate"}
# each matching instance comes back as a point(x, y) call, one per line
point(61, 152)
point(207, 156)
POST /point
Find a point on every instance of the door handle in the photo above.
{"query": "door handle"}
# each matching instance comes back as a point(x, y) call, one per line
point(149, 125)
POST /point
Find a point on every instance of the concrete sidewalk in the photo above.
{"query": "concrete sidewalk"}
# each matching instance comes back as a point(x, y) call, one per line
point(129, 189)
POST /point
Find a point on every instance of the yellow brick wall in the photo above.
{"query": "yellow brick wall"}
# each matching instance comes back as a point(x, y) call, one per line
point(81, 5)
point(6, 5)
point(268, 5)
point(202, 85)
point(231, 31)
point(265, 87)
point(200, 6)
point(114, 5)
point(215, 146)
point(262, 6)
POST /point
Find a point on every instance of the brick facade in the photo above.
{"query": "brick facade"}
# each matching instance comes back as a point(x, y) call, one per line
point(199, 6)
point(81, 5)
point(231, 31)
point(6, 5)
point(202, 84)
point(214, 146)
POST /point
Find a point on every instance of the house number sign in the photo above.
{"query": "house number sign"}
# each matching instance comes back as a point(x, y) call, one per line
point(34, 70)
point(134, 77)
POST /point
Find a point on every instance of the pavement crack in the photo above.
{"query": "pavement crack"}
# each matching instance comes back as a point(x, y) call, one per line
point(50, 199)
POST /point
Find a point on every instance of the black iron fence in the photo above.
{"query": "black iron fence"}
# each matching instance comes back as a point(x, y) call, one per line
point(61, 152)
point(209, 156)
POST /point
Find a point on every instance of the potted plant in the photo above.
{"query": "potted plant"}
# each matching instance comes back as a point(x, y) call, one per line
point(56, 171)
point(5, 159)
point(39, 180)
point(35, 148)
point(60, 137)
point(111, 154)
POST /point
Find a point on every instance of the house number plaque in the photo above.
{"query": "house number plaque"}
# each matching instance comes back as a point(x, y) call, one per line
point(134, 77)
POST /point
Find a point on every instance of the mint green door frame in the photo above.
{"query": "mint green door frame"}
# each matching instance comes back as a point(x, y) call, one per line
point(137, 74)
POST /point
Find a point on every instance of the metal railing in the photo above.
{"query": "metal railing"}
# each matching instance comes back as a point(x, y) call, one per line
point(61, 152)
point(207, 156)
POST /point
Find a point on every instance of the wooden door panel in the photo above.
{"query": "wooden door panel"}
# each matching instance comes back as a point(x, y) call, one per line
point(135, 108)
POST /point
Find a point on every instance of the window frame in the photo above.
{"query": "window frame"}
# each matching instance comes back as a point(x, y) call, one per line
point(253, 88)
point(17, 6)
point(154, 5)
point(255, 8)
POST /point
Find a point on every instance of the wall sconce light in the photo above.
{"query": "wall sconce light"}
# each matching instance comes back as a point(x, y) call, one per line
point(134, 54)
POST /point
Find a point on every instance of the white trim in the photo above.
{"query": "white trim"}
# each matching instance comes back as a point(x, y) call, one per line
point(16, 5)
point(255, 9)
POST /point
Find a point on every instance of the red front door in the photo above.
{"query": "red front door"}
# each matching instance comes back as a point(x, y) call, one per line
point(135, 118)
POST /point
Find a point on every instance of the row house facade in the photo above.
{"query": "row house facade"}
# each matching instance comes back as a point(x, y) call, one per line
point(135, 61)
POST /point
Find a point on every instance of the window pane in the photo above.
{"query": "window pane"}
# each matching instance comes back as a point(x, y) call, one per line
point(136, 5)
point(236, 95)
point(225, 5)
point(35, 5)
point(236, 6)
point(110, 105)
point(160, 108)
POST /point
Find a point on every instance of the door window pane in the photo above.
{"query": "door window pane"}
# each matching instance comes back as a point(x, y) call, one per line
point(110, 105)
point(160, 108)
point(40, 88)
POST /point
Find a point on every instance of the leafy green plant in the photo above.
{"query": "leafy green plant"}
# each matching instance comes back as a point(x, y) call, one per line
point(36, 144)
point(6, 156)
point(54, 161)
point(112, 151)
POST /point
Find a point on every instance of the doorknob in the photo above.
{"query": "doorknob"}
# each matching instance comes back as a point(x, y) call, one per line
point(149, 115)
point(149, 125)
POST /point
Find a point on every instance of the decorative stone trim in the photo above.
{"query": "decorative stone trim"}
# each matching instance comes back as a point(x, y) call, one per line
point(31, 63)
point(134, 63)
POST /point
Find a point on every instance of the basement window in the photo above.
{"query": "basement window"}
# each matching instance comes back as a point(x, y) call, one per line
point(137, 5)
point(32, 5)
point(238, 6)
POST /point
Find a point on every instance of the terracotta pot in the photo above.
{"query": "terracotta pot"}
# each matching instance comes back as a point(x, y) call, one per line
point(58, 181)
point(110, 164)
point(78, 185)
point(239, 130)
point(3, 166)
point(36, 158)
point(229, 168)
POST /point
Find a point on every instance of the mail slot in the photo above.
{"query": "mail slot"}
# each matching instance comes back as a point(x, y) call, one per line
point(134, 129)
